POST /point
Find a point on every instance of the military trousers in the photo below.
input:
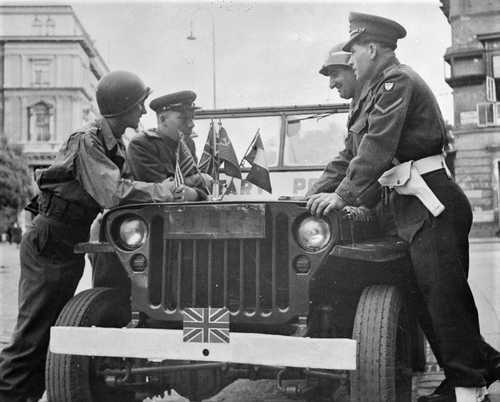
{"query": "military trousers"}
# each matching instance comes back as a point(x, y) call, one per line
point(439, 252)
point(50, 273)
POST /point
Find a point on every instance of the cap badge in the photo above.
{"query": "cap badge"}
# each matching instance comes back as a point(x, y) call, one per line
point(355, 31)
point(388, 85)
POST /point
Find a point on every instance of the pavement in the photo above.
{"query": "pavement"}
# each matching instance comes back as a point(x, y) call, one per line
point(484, 280)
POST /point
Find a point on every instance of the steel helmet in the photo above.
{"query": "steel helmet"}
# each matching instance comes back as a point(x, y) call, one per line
point(336, 57)
point(118, 92)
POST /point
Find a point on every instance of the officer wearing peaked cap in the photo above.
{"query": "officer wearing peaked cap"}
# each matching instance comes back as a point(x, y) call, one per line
point(372, 27)
point(399, 123)
point(181, 101)
point(152, 154)
point(151, 157)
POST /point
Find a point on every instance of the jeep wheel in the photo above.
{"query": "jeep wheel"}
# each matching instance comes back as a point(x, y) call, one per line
point(71, 378)
point(383, 359)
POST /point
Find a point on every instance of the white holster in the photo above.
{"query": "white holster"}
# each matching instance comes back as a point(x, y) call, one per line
point(406, 179)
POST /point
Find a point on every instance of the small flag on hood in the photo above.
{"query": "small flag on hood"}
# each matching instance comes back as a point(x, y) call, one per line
point(227, 155)
point(208, 158)
point(259, 173)
point(186, 159)
point(184, 163)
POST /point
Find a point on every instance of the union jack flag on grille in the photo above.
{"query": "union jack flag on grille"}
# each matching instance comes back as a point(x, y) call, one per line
point(206, 325)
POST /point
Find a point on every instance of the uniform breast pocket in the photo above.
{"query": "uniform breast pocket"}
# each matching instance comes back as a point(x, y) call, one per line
point(358, 129)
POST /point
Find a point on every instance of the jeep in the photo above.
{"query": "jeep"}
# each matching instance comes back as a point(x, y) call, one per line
point(323, 305)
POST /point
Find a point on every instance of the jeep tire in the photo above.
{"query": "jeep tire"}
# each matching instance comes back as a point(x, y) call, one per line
point(72, 378)
point(384, 351)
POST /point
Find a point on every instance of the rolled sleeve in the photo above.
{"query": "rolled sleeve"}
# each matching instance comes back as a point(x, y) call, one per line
point(102, 180)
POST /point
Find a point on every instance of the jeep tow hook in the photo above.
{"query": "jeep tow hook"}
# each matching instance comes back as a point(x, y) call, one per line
point(292, 390)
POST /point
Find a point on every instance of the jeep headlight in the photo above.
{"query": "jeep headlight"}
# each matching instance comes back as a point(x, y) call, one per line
point(132, 233)
point(313, 233)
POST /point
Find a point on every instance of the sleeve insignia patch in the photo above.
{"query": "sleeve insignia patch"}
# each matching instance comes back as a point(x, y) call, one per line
point(390, 107)
point(388, 85)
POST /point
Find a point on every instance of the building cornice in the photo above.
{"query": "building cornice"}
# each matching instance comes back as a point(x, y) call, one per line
point(471, 50)
point(87, 95)
point(99, 66)
point(488, 36)
point(16, 8)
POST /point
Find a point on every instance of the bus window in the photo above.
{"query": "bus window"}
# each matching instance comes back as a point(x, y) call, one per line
point(313, 141)
point(241, 132)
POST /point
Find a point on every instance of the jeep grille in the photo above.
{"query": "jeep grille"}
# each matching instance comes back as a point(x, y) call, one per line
point(245, 275)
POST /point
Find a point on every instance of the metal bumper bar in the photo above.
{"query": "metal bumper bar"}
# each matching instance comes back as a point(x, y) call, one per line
point(244, 348)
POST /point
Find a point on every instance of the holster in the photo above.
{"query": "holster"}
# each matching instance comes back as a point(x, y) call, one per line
point(405, 179)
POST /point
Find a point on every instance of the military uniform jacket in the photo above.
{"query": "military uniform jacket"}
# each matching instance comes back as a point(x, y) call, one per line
point(152, 157)
point(90, 170)
point(396, 118)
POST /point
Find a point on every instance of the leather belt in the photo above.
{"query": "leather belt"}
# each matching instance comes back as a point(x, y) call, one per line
point(69, 212)
point(430, 164)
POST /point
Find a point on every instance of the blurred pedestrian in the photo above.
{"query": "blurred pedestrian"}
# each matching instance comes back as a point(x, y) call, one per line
point(15, 234)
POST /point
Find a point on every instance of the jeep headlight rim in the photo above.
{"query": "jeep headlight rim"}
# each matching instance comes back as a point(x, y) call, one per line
point(132, 232)
point(313, 233)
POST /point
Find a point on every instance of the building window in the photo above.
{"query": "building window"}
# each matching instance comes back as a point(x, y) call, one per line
point(495, 61)
point(40, 117)
point(50, 26)
point(40, 73)
point(37, 25)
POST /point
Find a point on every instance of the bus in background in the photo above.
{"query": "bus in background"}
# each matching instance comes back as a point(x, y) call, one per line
point(298, 142)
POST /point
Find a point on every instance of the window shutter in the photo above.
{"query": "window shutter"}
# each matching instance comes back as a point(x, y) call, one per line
point(486, 114)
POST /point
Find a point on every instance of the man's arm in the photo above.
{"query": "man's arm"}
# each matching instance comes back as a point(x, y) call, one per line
point(144, 164)
point(379, 145)
point(101, 178)
point(335, 170)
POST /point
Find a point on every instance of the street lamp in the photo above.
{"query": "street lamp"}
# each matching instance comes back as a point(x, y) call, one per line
point(214, 81)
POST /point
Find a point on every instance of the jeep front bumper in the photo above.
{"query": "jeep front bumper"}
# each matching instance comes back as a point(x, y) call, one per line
point(244, 348)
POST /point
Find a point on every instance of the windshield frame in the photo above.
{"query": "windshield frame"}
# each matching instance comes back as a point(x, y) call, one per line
point(284, 112)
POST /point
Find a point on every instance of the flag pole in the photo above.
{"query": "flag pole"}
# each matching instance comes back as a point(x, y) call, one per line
point(215, 186)
point(241, 163)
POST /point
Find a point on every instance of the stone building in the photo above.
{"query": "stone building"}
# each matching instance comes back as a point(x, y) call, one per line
point(49, 68)
point(473, 71)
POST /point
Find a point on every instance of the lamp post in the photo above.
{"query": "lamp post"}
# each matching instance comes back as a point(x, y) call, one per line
point(215, 185)
point(214, 77)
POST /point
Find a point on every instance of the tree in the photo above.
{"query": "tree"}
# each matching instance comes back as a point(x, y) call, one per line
point(16, 185)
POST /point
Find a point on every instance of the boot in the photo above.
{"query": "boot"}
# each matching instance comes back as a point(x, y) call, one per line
point(477, 394)
point(443, 393)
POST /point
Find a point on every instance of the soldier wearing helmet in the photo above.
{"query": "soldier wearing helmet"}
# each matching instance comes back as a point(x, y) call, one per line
point(86, 177)
point(337, 68)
